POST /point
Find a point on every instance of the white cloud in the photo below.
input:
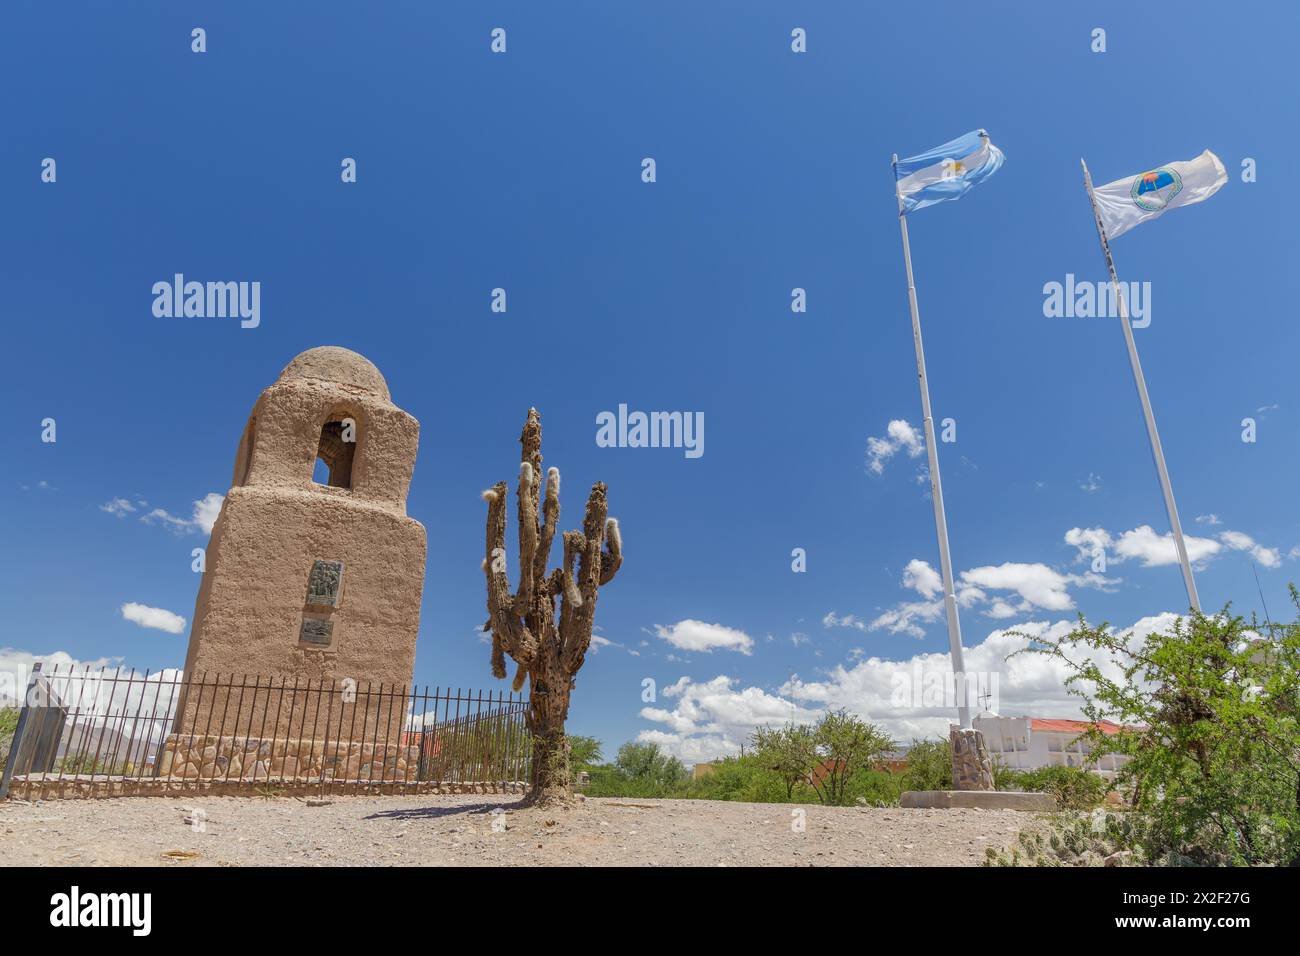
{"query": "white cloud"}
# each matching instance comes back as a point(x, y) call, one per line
point(923, 579)
point(1029, 684)
point(154, 617)
point(691, 749)
point(691, 635)
point(1156, 550)
point(597, 642)
point(834, 620)
point(1037, 584)
point(16, 669)
point(166, 518)
point(1088, 540)
point(1001, 610)
point(206, 510)
point(903, 618)
point(899, 436)
point(202, 517)
point(138, 706)
point(1239, 541)
point(1091, 484)
point(118, 506)
point(712, 719)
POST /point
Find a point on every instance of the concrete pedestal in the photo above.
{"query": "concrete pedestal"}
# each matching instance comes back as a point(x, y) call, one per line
point(976, 800)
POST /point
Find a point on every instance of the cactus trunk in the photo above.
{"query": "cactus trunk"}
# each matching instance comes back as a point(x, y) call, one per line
point(550, 781)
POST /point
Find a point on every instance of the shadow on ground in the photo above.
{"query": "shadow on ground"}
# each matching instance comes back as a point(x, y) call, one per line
point(435, 813)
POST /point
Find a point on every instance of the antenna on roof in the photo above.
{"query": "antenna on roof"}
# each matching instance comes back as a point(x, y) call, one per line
point(1255, 571)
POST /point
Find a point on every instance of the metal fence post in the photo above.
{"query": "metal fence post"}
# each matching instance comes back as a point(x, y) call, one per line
point(18, 733)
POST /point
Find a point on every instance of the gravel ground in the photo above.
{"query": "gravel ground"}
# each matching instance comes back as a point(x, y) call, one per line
point(468, 830)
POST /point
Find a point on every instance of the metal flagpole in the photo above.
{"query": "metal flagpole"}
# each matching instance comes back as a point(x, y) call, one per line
point(1157, 452)
point(936, 486)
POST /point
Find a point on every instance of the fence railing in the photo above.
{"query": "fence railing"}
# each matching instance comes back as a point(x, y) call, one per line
point(89, 732)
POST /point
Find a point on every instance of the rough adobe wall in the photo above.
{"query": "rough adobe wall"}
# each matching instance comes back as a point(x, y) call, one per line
point(274, 525)
point(287, 432)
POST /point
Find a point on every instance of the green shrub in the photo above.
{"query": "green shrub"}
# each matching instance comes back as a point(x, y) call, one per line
point(8, 725)
point(929, 765)
point(875, 788)
point(1072, 839)
point(744, 779)
point(1074, 788)
point(1211, 727)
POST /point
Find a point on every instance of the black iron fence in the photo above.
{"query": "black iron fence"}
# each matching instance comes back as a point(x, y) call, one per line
point(97, 732)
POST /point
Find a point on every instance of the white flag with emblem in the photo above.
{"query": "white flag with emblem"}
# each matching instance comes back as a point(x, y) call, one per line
point(1132, 200)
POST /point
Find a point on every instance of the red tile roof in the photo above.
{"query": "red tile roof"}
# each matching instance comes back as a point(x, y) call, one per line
point(1072, 726)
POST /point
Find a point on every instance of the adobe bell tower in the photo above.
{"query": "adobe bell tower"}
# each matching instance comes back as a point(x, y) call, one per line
point(312, 579)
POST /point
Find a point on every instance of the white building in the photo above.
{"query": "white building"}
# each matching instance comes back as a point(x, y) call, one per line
point(1027, 743)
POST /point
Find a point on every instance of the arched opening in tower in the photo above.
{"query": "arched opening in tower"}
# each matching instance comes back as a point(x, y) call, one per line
point(336, 452)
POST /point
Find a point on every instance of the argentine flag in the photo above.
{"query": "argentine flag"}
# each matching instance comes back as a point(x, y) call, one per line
point(947, 171)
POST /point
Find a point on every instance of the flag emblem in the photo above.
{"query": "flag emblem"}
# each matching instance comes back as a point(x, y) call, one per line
point(1152, 191)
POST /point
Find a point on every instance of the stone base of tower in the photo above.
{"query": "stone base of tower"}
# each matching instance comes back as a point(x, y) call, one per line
point(266, 761)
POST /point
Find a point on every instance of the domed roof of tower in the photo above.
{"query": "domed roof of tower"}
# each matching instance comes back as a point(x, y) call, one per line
point(330, 363)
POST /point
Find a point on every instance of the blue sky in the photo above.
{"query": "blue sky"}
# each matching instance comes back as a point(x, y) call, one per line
point(522, 171)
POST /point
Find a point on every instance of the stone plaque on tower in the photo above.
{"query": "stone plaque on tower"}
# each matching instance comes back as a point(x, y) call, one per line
point(324, 583)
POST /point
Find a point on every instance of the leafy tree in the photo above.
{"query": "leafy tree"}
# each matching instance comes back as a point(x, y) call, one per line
point(789, 752)
point(1211, 729)
point(584, 752)
point(8, 725)
point(647, 764)
point(845, 744)
point(929, 765)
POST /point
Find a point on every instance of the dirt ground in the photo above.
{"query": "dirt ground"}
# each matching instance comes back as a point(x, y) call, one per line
point(474, 830)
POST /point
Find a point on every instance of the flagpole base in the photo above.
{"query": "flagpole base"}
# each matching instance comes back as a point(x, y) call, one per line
point(977, 800)
point(972, 769)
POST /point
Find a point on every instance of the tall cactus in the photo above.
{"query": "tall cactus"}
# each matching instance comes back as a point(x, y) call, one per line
point(547, 649)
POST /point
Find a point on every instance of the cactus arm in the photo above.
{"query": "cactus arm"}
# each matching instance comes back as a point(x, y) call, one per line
point(550, 517)
point(531, 441)
point(527, 536)
point(612, 557)
point(577, 639)
point(509, 633)
point(570, 597)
